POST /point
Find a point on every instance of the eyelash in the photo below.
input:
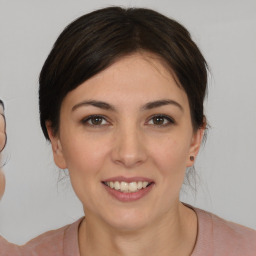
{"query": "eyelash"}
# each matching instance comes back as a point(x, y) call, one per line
point(86, 120)
point(168, 121)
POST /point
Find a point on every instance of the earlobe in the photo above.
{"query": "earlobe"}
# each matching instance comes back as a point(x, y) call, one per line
point(56, 147)
point(195, 146)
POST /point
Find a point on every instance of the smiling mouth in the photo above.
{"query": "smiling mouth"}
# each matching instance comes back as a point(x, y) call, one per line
point(128, 187)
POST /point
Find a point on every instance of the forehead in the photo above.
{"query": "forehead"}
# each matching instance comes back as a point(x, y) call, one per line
point(134, 78)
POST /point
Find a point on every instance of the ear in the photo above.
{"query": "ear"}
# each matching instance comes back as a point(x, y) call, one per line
point(195, 146)
point(58, 156)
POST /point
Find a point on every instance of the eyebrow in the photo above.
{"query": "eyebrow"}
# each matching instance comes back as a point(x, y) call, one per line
point(95, 103)
point(147, 106)
point(160, 103)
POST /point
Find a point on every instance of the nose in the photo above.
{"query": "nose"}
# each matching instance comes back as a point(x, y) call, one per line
point(129, 149)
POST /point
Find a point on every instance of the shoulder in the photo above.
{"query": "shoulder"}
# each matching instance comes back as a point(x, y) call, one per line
point(9, 249)
point(224, 237)
point(55, 242)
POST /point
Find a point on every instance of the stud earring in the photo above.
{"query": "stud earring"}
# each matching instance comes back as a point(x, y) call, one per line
point(192, 158)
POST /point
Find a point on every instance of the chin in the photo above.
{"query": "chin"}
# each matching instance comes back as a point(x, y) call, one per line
point(128, 220)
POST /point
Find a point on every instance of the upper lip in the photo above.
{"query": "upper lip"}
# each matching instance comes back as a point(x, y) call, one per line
point(128, 179)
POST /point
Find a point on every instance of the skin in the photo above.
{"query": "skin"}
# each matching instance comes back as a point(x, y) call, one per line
point(129, 142)
point(2, 143)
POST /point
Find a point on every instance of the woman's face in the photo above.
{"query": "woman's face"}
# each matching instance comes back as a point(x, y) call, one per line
point(127, 127)
point(2, 143)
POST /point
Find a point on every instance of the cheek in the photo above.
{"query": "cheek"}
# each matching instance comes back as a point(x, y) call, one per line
point(170, 157)
point(171, 154)
point(84, 154)
point(85, 157)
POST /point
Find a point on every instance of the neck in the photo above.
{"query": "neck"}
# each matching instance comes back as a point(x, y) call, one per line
point(174, 234)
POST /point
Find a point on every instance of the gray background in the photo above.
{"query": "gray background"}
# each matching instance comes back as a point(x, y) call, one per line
point(35, 199)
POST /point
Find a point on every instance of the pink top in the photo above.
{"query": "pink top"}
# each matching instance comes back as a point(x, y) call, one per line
point(8, 249)
point(216, 237)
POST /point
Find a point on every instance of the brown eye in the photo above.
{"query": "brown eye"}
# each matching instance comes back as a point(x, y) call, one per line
point(158, 120)
point(161, 120)
point(95, 121)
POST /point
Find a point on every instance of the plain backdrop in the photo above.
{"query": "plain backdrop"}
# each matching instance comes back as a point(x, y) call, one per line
point(39, 198)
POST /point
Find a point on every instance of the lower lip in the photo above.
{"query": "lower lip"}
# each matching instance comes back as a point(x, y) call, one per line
point(128, 197)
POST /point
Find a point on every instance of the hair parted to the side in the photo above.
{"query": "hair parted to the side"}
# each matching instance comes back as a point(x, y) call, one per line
point(96, 40)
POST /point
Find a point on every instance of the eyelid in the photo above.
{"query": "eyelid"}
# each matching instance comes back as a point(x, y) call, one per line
point(86, 119)
point(171, 120)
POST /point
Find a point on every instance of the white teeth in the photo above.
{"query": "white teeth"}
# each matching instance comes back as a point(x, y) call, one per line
point(124, 186)
point(132, 186)
point(117, 185)
point(144, 184)
point(127, 187)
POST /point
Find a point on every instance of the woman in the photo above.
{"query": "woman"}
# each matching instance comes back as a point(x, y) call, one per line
point(121, 100)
